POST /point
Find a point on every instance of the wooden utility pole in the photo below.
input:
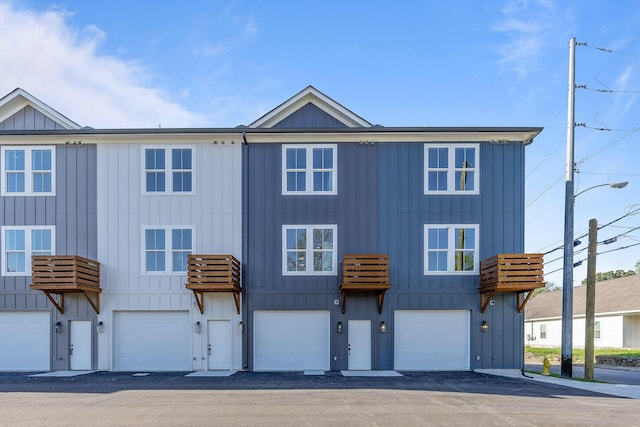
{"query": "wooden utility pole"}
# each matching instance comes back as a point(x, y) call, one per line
point(589, 356)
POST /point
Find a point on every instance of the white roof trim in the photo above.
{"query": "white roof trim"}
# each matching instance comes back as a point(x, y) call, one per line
point(19, 98)
point(317, 98)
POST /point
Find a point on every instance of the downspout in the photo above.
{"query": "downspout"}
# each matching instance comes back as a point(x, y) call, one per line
point(245, 243)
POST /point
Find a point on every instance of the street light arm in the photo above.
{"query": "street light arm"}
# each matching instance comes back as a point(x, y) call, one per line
point(612, 185)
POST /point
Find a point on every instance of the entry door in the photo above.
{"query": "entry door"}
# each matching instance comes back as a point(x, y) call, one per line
point(80, 345)
point(359, 345)
point(219, 346)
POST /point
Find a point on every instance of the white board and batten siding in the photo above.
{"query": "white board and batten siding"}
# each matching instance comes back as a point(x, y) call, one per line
point(213, 211)
point(432, 340)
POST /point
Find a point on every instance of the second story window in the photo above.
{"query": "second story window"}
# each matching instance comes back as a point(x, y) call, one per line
point(451, 169)
point(28, 171)
point(166, 249)
point(168, 170)
point(19, 243)
point(309, 169)
point(451, 249)
point(309, 249)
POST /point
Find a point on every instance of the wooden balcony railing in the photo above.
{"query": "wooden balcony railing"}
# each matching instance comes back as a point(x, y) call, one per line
point(520, 273)
point(61, 274)
point(214, 273)
point(365, 274)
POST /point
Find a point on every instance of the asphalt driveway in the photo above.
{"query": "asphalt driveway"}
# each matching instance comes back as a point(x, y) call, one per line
point(435, 398)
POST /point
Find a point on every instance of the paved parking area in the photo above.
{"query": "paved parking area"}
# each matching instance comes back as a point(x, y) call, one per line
point(265, 399)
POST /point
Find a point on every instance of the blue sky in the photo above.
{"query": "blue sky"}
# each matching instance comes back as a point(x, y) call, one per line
point(412, 63)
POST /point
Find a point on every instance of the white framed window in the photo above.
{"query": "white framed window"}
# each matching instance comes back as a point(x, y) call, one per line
point(166, 249)
point(543, 331)
point(451, 169)
point(28, 171)
point(19, 243)
point(309, 169)
point(596, 330)
point(309, 250)
point(168, 170)
point(451, 249)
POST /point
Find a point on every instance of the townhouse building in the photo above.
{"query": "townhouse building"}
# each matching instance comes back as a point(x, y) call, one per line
point(309, 240)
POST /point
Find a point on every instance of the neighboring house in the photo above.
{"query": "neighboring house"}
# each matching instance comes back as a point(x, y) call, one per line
point(308, 240)
point(47, 207)
point(617, 315)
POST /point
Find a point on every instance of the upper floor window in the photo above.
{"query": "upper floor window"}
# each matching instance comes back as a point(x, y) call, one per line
point(309, 249)
point(168, 170)
point(451, 249)
point(19, 243)
point(166, 249)
point(28, 171)
point(309, 169)
point(451, 169)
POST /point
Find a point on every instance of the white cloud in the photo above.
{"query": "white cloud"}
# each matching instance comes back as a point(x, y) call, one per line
point(530, 25)
point(59, 64)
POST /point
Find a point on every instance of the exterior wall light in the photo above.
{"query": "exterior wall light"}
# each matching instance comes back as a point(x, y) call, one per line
point(100, 327)
point(339, 327)
point(383, 327)
point(240, 327)
point(58, 327)
point(197, 328)
point(484, 326)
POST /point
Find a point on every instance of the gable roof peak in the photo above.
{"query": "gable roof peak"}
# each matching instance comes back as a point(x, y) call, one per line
point(19, 98)
point(310, 95)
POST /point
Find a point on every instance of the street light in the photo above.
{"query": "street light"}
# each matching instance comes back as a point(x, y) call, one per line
point(566, 366)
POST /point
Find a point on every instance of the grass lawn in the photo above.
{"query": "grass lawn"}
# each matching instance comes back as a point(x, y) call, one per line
point(578, 353)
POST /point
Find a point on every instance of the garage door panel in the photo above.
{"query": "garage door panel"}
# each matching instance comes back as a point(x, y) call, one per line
point(152, 341)
point(291, 340)
point(431, 340)
point(25, 341)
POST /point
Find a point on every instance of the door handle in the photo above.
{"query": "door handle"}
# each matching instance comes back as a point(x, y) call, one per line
point(349, 349)
point(209, 347)
point(71, 350)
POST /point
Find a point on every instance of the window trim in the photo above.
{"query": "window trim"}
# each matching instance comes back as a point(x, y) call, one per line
point(309, 249)
point(543, 326)
point(28, 170)
point(451, 249)
point(168, 250)
point(310, 169)
point(28, 246)
point(168, 170)
point(451, 170)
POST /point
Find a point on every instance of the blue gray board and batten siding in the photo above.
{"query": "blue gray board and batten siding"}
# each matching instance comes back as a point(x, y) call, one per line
point(73, 213)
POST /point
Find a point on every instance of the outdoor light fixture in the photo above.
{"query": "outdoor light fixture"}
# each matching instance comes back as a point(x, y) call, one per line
point(197, 327)
point(383, 327)
point(58, 327)
point(240, 327)
point(100, 327)
point(339, 327)
point(484, 326)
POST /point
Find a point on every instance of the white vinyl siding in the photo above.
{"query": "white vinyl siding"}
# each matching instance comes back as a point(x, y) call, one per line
point(451, 169)
point(28, 171)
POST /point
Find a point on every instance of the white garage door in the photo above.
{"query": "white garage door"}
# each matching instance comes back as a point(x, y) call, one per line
point(152, 341)
point(431, 340)
point(291, 340)
point(25, 340)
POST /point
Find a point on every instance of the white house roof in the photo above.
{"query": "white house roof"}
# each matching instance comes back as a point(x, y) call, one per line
point(19, 98)
point(620, 295)
point(317, 98)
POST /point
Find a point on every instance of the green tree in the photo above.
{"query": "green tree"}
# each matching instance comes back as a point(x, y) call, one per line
point(549, 287)
point(608, 275)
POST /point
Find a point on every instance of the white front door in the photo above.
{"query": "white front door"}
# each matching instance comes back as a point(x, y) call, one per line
point(359, 346)
point(219, 345)
point(80, 345)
